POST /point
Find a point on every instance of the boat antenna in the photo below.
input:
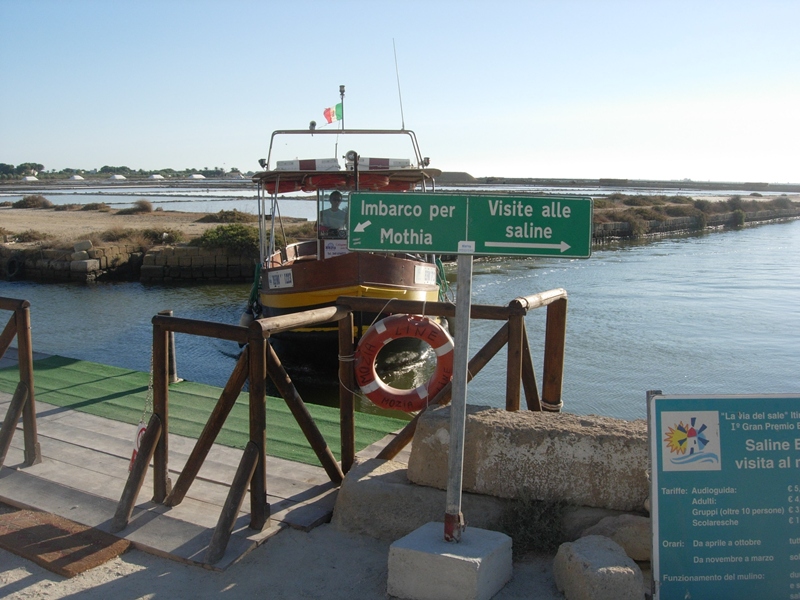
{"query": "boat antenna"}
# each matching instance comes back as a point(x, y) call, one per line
point(397, 72)
point(341, 94)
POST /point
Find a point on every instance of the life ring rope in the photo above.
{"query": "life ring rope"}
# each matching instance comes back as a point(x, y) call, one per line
point(392, 328)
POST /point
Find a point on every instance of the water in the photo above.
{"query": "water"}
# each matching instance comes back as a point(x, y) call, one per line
point(715, 313)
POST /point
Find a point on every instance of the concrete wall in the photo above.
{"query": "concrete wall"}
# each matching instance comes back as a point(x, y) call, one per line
point(165, 264)
point(190, 263)
point(584, 460)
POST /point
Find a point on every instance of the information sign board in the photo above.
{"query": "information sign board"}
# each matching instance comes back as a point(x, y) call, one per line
point(474, 224)
point(725, 496)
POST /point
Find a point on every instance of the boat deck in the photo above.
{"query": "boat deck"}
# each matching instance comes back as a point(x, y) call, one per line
point(84, 468)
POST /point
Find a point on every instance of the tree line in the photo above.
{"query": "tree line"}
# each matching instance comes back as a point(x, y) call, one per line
point(8, 171)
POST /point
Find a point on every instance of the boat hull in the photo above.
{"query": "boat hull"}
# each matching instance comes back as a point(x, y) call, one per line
point(319, 283)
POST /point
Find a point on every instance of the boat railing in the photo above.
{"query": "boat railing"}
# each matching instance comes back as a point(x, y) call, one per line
point(259, 360)
point(22, 402)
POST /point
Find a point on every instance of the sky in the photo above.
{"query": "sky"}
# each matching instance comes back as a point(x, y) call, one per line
point(646, 89)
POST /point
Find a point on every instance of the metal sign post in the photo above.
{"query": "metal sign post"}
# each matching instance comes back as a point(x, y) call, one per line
point(453, 518)
point(468, 225)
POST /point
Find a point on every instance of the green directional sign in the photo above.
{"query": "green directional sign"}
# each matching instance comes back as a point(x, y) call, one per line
point(474, 224)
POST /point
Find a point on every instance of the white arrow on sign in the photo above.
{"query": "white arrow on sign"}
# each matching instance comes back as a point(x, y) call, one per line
point(563, 246)
point(362, 226)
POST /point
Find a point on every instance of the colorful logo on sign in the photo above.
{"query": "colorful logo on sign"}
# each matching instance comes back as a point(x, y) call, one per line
point(691, 441)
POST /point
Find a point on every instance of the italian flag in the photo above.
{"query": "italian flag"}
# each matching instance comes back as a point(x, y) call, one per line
point(333, 113)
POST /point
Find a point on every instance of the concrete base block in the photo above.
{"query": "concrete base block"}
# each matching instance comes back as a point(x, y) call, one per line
point(422, 566)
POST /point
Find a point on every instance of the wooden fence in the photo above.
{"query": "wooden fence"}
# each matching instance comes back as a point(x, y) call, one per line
point(259, 361)
point(22, 403)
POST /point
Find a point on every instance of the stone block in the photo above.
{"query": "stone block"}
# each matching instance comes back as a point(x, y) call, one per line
point(422, 566)
point(597, 568)
point(95, 253)
point(377, 499)
point(583, 460)
point(578, 519)
point(82, 255)
point(60, 265)
point(631, 532)
point(82, 246)
point(84, 266)
point(150, 272)
point(185, 261)
point(149, 259)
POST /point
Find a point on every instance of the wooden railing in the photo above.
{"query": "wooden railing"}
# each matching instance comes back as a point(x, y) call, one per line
point(259, 361)
point(22, 403)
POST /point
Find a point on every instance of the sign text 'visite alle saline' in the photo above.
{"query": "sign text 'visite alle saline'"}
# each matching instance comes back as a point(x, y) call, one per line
point(454, 224)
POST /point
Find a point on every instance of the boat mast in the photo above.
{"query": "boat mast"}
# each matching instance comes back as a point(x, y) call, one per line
point(341, 95)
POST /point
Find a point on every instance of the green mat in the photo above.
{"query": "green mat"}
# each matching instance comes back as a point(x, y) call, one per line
point(120, 394)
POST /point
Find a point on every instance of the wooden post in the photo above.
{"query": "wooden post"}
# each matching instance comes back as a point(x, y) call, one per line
point(172, 361)
point(259, 508)
point(554, 342)
point(516, 324)
point(12, 416)
point(8, 334)
point(227, 519)
point(33, 453)
point(133, 485)
point(347, 384)
point(529, 375)
point(211, 430)
point(161, 482)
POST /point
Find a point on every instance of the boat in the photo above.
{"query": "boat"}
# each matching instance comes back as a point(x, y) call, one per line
point(312, 273)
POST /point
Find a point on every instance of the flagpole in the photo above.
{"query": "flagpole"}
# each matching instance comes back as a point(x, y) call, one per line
point(341, 94)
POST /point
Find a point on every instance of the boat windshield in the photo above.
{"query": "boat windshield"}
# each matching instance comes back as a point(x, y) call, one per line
point(332, 216)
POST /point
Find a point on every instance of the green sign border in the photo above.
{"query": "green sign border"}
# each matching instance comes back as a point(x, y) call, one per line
point(718, 511)
point(470, 219)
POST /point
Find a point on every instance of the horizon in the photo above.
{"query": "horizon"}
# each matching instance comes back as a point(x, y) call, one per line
point(661, 91)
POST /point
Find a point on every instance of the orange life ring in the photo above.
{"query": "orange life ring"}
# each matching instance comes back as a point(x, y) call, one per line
point(392, 328)
point(324, 182)
point(399, 186)
point(283, 187)
point(372, 181)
